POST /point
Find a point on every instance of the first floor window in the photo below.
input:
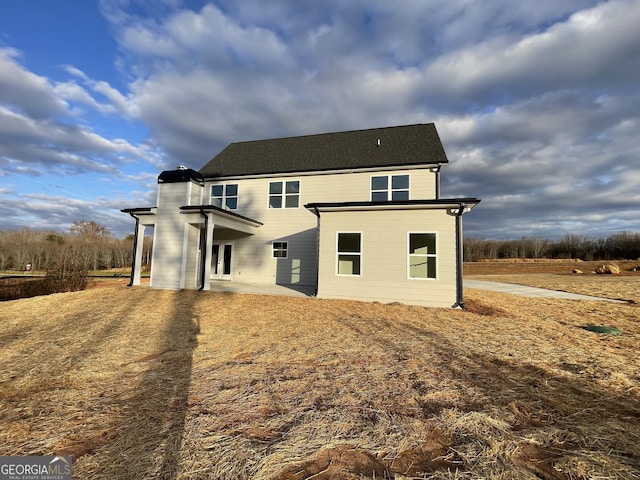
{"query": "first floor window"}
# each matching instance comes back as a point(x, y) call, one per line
point(389, 187)
point(225, 196)
point(280, 249)
point(284, 194)
point(349, 252)
point(422, 255)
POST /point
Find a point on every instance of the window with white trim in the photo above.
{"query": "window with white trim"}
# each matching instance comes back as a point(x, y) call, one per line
point(422, 256)
point(284, 194)
point(225, 196)
point(349, 253)
point(280, 249)
point(389, 187)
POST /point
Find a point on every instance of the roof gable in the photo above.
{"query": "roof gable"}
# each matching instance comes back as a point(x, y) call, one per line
point(378, 147)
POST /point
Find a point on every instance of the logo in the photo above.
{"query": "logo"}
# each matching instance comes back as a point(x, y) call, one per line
point(35, 468)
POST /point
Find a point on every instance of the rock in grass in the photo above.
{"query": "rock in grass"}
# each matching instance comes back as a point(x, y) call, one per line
point(608, 269)
point(603, 329)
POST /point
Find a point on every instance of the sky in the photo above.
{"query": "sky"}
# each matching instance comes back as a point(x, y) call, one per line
point(536, 102)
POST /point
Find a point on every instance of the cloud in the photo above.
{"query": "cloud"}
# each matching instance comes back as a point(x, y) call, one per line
point(54, 205)
point(581, 52)
point(559, 159)
point(71, 91)
point(536, 103)
point(40, 130)
point(25, 91)
point(46, 145)
point(116, 102)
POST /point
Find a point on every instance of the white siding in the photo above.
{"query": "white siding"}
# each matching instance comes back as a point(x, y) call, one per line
point(191, 262)
point(195, 194)
point(253, 260)
point(169, 234)
point(176, 234)
point(384, 266)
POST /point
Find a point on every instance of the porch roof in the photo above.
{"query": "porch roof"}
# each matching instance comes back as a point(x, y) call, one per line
point(442, 203)
point(140, 211)
point(230, 219)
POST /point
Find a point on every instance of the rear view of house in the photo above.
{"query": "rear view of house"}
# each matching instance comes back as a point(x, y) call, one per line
point(354, 215)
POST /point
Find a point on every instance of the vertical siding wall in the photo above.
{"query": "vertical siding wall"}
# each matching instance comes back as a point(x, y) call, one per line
point(385, 257)
point(195, 194)
point(252, 259)
point(169, 234)
point(191, 262)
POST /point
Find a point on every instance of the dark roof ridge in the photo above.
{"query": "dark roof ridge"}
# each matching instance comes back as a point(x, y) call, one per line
point(337, 132)
point(394, 146)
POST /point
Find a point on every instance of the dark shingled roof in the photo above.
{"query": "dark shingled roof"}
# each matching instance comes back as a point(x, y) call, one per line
point(180, 175)
point(397, 146)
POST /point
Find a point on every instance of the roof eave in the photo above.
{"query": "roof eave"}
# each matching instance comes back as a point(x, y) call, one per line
point(328, 171)
point(222, 212)
point(140, 210)
point(466, 203)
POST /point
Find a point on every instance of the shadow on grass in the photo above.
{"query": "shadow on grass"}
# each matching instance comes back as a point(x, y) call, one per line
point(125, 421)
point(152, 423)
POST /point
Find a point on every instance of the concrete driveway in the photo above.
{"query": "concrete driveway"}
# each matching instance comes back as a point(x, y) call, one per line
point(524, 291)
point(513, 289)
point(261, 289)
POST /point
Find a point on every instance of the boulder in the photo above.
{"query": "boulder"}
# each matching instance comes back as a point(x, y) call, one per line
point(577, 271)
point(608, 269)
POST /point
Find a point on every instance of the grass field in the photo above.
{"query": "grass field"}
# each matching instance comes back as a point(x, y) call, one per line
point(141, 383)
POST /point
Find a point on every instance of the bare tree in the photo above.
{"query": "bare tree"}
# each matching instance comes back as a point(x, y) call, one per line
point(537, 247)
point(89, 229)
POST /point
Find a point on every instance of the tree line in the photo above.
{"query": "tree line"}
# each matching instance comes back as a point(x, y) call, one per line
point(91, 244)
point(622, 245)
point(87, 243)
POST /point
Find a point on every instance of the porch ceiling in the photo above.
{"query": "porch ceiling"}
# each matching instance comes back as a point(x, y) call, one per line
point(223, 218)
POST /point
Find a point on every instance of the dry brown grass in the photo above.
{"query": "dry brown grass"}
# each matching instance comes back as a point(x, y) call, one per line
point(607, 286)
point(141, 383)
point(519, 266)
point(556, 275)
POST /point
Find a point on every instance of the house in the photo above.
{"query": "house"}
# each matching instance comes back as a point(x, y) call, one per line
point(352, 215)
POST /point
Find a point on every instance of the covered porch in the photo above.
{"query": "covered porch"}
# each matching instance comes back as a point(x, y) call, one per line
point(195, 256)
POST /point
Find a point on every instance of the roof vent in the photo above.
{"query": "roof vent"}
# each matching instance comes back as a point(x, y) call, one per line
point(378, 142)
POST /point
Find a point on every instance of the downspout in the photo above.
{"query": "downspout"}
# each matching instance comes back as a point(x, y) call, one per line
point(438, 182)
point(135, 248)
point(459, 259)
point(203, 249)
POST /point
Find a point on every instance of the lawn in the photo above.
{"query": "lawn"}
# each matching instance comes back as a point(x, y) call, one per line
point(142, 383)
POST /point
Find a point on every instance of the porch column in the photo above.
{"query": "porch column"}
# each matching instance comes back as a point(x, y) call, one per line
point(137, 259)
point(206, 285)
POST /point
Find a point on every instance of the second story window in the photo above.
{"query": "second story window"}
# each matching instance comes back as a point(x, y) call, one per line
point(284, 194)
point(225, 196)
point(389, 187)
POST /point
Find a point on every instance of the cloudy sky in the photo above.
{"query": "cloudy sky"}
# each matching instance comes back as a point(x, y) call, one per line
point(536, 101)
